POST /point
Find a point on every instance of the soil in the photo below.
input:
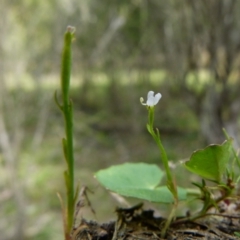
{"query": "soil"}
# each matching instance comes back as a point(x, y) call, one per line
point(138, 224)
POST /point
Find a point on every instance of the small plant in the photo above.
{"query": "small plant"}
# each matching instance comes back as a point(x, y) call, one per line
point(142, 180)
point(215, 163)
point(66, 108)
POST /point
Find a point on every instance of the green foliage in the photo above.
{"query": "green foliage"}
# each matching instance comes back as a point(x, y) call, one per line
point(139, 180)
point(142, 180)
point(167, 194)
point(156, 34)
point(156, 136)
point(211, 162)
point(237, 234)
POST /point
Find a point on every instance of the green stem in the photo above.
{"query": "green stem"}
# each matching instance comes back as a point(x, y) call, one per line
point(70, 160)
point(169, 220)
point(193, 192)
point(156, 136)
point(170, 182)
point(68, 117)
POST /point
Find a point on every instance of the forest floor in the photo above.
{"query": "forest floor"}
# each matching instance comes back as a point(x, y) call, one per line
point(138, 224)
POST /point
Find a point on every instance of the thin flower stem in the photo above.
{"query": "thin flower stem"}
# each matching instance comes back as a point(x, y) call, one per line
point(156, 137)
point(151, 117)
point(169, 220)
point(170, 183)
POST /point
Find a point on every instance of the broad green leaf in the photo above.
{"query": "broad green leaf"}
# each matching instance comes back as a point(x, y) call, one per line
point(138, 180)
point(210, 162)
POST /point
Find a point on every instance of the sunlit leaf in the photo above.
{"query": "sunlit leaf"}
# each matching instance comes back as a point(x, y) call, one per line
point(210, 162)
point(139, 180)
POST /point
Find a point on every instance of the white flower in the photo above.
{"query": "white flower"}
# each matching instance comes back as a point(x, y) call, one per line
point(151, 99)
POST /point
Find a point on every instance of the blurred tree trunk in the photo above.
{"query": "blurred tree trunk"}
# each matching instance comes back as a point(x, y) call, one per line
point(210, 116)
point(206, 39)
point(10, 145)
point(15, 184)
point(10, 150)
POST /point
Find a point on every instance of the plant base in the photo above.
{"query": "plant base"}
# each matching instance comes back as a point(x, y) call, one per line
point(141, 224)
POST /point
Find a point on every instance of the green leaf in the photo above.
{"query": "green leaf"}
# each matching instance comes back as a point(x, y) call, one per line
point(237, 234)
point(138, 180)
point(210, 162)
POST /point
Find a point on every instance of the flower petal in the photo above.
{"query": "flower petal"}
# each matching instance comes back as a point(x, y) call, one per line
point(157, 98)
point(151, 99)
point(150, 94)
point(150, 102)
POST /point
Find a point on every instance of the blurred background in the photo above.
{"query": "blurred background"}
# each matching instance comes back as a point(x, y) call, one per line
point(187, 50)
